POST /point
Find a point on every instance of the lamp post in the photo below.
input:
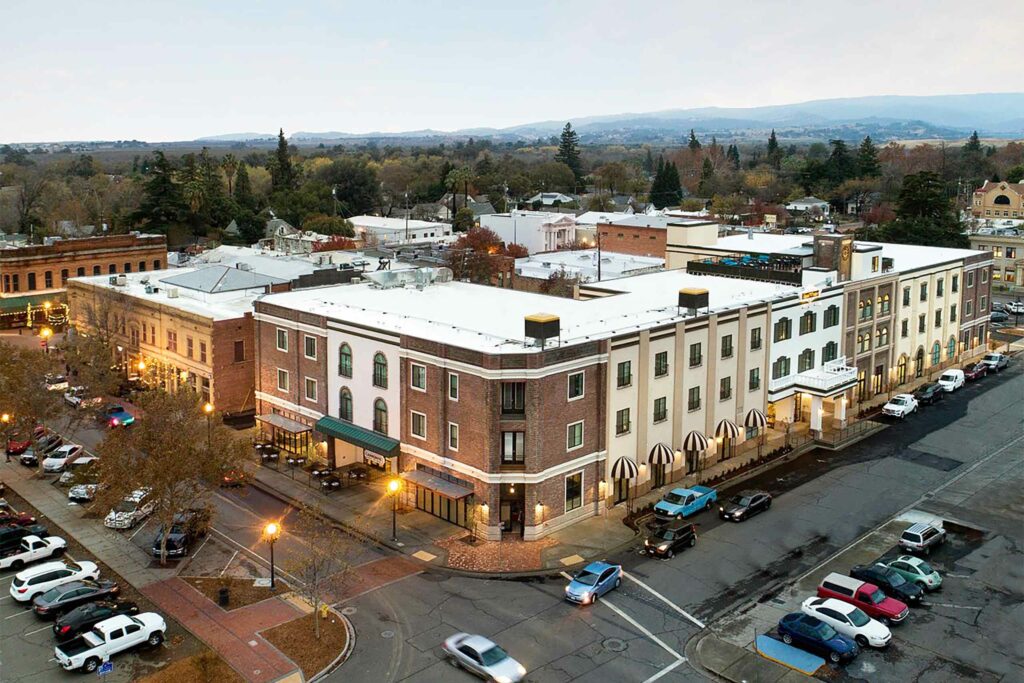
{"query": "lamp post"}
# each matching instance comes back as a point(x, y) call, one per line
point(6, 420)
point(208, 409)
point(394, 486)
point(271, 532)
point(46, 333)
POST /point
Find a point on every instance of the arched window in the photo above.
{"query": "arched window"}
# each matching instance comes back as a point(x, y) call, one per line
point(1002, 200)
point(901, 370)
point(380, 371)
point(830, 352)
point(883, 305)
point(345, 404)
point(808, 322)
point(936, 353)
point(882, 336)
point(919, 362)
point(805, 361)
point(345, 360)
point(951, 347)
point(380, 416)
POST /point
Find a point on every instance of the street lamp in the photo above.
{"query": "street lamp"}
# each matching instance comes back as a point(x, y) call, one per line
point(46, 333)
point(271, 532)
point(394, 486)
point(208, 409)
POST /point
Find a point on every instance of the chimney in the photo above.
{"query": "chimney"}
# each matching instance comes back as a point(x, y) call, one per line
point(542, 326)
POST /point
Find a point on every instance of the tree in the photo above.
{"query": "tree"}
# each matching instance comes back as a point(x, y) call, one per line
point(613, 175)
point(318, 562)
point(924, 215)
point(560, 283)
point(707, 178)
point(329, 225)
point(569, 153)
point(840, 165)
point(230, 166)
point(463, 220)
point(30, 184)
point(600, 202)
point(282, 173)
point(162, 204)
point(479, 255)
point(733, 155)
point(22, 371)
point(355, 182)
point(868, 165)
point(552, 176)
point(175, 450)
point(973, 157)
point(1015, 174)
point(694, 143)
point(335, 243)
point(243, 193)
point(648, 162)
point(458, 179)
point(774, 153)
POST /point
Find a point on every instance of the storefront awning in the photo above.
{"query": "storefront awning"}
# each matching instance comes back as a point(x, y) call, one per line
point(436, 484)
point(346, 431)
point(282, 422)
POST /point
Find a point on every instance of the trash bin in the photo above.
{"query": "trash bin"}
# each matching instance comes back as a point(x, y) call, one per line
point(223, 596)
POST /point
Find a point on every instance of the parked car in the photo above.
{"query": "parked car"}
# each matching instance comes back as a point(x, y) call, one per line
point(867, 596)
point(68, 596)
point(33, 549)
point(1015, 307)
point(56, 383)
point(187, 527)
point(10, 536)
point(82, 493)
point(59, 458)
point(679, 503)
point(16, 444)
point(107, 638)
point(998, 316)
point(921, 537)
point(593, 581)
point(670, 538)
point(132, 509)
point(81, 467)
point(11, 518)
point(996, 361)
point(115, 415)
point(33, 581)
point(233, 478)
point(84, 617)
point(43, 447)
point(77, 398)
point(975, 371)
point(900, 406)
point(813, 634)
point(889, 580)
point(929, 393)
point(848, 620)
point(481, 657)
point(951, 380)
point(745, 504)
point(917, 571)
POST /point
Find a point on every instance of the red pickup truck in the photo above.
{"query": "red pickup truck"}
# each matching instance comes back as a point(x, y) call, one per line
point(866, 596)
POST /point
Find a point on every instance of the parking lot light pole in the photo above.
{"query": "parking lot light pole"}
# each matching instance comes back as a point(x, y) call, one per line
point(271, 532)
point(394, 486)
point(208, 409)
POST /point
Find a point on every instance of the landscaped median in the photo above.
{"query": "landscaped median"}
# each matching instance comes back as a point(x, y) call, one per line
point(298, 641)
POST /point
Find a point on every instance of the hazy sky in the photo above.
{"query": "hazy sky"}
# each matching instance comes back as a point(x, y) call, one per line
point(155, 70)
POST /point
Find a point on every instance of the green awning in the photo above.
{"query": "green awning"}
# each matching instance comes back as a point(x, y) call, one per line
point(346, 431)
point(15, 303)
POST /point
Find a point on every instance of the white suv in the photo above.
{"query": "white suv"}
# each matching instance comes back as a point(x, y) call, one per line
point(132, 509)
point(41, 578)
point(900, 406)
point(848, 620)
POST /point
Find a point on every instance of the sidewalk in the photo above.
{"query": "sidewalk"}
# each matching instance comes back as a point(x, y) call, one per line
point(738, 665)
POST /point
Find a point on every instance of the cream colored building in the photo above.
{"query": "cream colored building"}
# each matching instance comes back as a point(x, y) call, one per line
point(1008, 259)
point(999, 200)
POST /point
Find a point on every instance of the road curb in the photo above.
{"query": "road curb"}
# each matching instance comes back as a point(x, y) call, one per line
point(343, 656)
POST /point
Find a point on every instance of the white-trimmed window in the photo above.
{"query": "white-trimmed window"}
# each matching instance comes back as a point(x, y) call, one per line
point(309, 349)
point(311, 389)
point(418, 425)
point(453, 386)
point(575, 386)
point(453, 436)
point(573, 490)
point(574, 436)
point(282, 339)
point(282, 380)
point(418, 376)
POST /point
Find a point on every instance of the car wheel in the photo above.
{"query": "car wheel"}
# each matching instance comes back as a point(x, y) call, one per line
point(91, 665)
point(618, 582)
point(787, 639)
point(833, 657)
point(17, 565)
point(693, 541)
point(927, 550)
point(679, 516)
point(862, 641)
point(885, 620)
point(670, 554)
point(454, 662)
point(708, 506)
point(155, 639)
point(594, 600)
point(768, 505)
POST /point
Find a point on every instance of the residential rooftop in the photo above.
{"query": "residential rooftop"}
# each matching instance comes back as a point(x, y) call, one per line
point(582, 264)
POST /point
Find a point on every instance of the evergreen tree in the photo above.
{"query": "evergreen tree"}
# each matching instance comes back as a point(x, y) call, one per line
point(867, 159)
point(243, 188)
point(774, 153)
point(569, 152)
point(707, 178)
point(161, 204)
point(925, 215)
point(733, 155)
point(673, 184)
point(282, 173)
point(663, 193)
point(694, 143)
point(649, 162)
point(974, 159)
point(840, 165)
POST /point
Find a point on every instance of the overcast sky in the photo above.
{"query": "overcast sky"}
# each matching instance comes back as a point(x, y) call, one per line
point(155, 70)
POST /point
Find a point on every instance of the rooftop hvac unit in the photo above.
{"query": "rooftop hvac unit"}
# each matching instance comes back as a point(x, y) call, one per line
point(149, 288)
point(145, 280)
point(243, 266)
point(542, 326)
point(112, 280)
point(172, 292)
point(693, 299)
point(122, 281)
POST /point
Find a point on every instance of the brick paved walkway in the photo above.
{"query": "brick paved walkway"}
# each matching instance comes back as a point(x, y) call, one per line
point(376, 574)
point(229, 633)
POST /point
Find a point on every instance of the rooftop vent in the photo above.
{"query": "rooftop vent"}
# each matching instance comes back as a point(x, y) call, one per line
point(693, 299)
point(542, 326)
point(243, 266)
point(172, 292)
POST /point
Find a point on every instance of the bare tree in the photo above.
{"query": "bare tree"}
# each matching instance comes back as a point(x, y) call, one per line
point(22, 395)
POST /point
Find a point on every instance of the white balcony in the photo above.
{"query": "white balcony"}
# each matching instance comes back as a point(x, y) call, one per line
point(830, 377)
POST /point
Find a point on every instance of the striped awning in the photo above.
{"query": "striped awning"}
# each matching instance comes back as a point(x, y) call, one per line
point(695, 441)
point(727, 429)
point(755, 419)
point(624, 468)
point(661, 454)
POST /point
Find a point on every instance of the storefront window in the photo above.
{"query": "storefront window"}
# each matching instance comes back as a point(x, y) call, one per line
point(573, 491)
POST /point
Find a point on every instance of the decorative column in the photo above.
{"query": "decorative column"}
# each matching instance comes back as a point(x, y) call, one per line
point(816, 411)
point(840, 404)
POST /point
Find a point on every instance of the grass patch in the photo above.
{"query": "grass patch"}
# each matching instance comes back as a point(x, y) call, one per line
point(296, 640)
point(242, 592)
point(206, 667)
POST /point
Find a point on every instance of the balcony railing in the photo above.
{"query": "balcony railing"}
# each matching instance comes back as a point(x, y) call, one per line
point(831, 375)
point(762, 267)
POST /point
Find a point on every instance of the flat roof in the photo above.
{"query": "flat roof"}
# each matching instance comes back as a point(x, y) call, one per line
point(274, 264)
point(383, 223)
point(491, 319)
point(583, 263)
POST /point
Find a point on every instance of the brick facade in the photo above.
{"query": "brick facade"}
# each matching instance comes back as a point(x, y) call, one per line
point(975, 301)
point(627, 239)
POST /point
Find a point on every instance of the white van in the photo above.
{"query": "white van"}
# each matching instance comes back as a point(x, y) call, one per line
point(951, 380)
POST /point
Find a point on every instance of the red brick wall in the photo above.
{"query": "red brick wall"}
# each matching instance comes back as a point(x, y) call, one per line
point(623, 239)
point(979, 316)
point(233, 390)
point(269, 359)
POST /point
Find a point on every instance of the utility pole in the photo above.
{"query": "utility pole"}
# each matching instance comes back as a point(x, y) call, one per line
point(598, 231)
point(406, 216)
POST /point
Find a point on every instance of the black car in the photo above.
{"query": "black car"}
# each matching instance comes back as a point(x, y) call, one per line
point(68, 596)
point(48, 443)
point(10, 536)
point(998, 316)
point(187, 527)
point(84, 617)
point(665, 540)
point(890, 581)
point(744, 505)
point(929, 393)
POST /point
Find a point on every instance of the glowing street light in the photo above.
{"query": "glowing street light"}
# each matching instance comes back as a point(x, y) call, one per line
point(208, 409)
point(394, 486)
point(271, 532)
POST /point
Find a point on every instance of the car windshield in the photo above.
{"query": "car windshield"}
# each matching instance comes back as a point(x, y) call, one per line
point(825, 632)
point(586, 578)
point(664, 534)
point(948, 377)
point(125, 506)
point(992, 357)
point(878, 596)
point(73, 566)
point(925, 568)
point(493, 656)
point(742, 501)
point(858, 617)
point(898, 401)
point(674, 498)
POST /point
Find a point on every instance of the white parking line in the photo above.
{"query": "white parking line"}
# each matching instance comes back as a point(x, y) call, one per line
point(665, 600)
point(38, 630)
point(256, 557)
point(136, 532)
point(19, 614)
point(666, 670)
point(946, 604)
point(230, 560)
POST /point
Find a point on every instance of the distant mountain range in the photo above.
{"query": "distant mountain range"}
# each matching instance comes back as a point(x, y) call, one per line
point(883, 117)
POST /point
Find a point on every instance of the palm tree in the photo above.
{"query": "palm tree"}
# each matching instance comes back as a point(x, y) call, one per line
point(230, 165)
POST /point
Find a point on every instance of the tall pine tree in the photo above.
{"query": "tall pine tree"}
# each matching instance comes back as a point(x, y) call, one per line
point(282, 173)
point(244, 195)
point(161, 204)
point(867, 159)
point(733, 155)
point(774, 153)
point(569, 152)
point(694, 143)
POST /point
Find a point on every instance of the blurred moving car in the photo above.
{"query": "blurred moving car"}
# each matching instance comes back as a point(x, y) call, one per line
point(998, 316)
point(744, 505)
point(481, 657)
point(996, 361)
point(669, 538)
point(115, 415)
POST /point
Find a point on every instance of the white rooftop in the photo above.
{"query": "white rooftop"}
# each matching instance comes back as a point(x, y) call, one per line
point(382, 223)
point(595, 217)
point(582, 263)
point(490, 319)
point(271, 263)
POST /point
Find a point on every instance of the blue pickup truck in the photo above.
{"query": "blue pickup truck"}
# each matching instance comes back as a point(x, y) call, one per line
point(679, 503)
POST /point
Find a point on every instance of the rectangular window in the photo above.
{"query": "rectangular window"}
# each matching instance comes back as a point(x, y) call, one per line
point(453, 386)
point(780, 368)
point(127, 266)
point(48, 280)
point(418, 376)
point(1011, 252)
point(80, 272)
point(695, 355)
point(453, 436)
point(955, 285)
point(282, 380)
point(783, 329)
point(31, 281)
point(573, 491)
point(574, 436)
point(831, 316)
point(924, 291)
point(939, 287)
point(970, 279)
point(755, 339)
point(239, 350)
point(875, 263)
point(202, 351)
point(661, 364)
point(418, 425)
point(172, 341)
point(310, 347)
point(906, 296)
point(727, 346)
point(755, 379)
point(693, 399)
point(661, 409)
point(920, 323)
point(513, 398)
point(513, 447)
point(938, 318)
point(96, 270)
point(142, 266)
point(808, 322)
point(624, 374)
point(282, 339)
point(984, 276)
point(575, 389)
point(189, 347)
point(983, 304)
point(725, 389)
point(112, 269)
point(622, 421)
point(905, 328)
point(969, 308)
point(311, 389)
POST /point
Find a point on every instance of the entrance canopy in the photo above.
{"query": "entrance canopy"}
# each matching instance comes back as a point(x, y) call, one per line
point(436, 484)
point(369, 440)
point(283, 423)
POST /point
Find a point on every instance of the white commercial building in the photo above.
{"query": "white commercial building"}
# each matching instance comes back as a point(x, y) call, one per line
point(380, 230)
point(587, 265)
point(538, 231)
